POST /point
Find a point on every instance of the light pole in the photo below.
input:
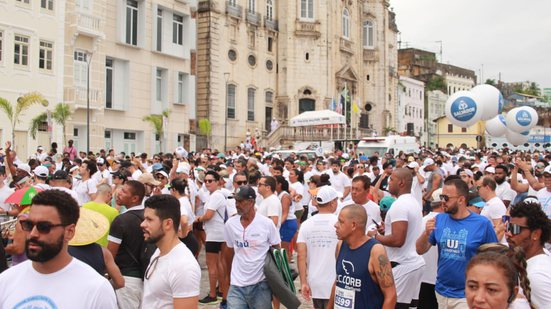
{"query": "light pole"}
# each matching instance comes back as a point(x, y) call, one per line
point(88, 61)
point(227, 78)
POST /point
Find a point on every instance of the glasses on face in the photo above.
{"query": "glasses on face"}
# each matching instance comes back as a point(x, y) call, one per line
point(446, 198)
point(261, 184)
point(209, 180)
point(43, 227)
point(464, 176)
point(515, 229)
point(241, 183)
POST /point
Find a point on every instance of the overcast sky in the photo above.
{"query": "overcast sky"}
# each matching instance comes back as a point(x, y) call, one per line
point(508, 36)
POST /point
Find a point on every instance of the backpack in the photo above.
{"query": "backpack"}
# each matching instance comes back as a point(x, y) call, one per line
point(146, 250)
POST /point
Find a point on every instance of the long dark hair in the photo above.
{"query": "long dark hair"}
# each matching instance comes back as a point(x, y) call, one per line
point(300, 175)
point(284, 183)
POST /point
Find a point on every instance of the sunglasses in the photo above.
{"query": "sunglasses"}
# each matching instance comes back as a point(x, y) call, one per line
point(43, 227)
point(515, 229)
point(446, 198)
point(241, 183)
point(209, 180)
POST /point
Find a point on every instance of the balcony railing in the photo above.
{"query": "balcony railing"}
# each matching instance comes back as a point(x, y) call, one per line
point(271, 24)
point(234, 10)
point(253, 18)
point(77, 96)
point(307, 28)
point(287, 135)
point(90, 25)
point(346, 46)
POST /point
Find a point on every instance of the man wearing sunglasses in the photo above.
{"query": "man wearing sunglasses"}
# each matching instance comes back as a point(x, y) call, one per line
point(544, 194)
point(51, 278)
point(530, 229)
point(458, 233)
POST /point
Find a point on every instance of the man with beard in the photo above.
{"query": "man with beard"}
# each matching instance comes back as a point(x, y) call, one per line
point(52, 278)
point(249, 236)
point(173, 277)
point(458, 233)
point(503, 189)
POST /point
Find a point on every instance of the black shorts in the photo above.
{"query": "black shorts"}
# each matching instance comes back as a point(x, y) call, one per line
point(213, 246)
point(198, 226)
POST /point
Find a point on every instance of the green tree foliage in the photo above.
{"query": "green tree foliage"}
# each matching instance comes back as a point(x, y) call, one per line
point(23, 103)
point(156, 122)
point(61, 114)
point(437, 82)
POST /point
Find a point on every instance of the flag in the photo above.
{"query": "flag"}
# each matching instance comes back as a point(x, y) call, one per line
point(333, 105)
point(355, 108)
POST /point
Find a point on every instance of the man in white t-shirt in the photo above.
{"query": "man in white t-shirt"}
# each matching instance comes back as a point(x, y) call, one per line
point(360, 191)
point(418, 181)
point(5, 191)
point(173, 277)
point(503, 189)
point(52, 278)
point(530, 229)
point(339, 180)
point(544, 194)
point(316, 245)
point(270, 206)
point(494, 209)
point(402, 225)
point(86, 186)
point(248, 237)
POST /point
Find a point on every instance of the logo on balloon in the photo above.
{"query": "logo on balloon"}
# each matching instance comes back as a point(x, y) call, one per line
point(463, 109)
point(524, 118)
point(502, 119)
point(500, 103)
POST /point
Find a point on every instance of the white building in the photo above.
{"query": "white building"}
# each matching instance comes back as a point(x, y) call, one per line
point(436, 102)
point(411, 110)
point(31, 59)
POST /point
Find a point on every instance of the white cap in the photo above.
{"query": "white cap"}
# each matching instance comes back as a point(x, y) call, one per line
point(436, 196)
point(183, 169)
point(25, 167)
point(413, 164)
point(40, 148)
point(345, 156)
point(427, 162)
point(468, 172)
point(547, 169)
point(490, 169)
point(162, 173)
point(100, 161)
point(41, 171)
point(326, 194)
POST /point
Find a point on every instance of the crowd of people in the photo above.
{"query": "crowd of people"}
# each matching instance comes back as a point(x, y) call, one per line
point(439, 228)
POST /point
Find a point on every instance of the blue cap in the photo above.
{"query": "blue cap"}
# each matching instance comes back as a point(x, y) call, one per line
point(386, 202)
point(364, 158)
point(477, 201)
point(157, 166)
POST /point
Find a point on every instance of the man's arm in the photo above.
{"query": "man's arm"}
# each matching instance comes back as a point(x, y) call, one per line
point(112, 269)
point(209, 213)
point(113, 247)
point(398, 236)
point(302, 254)
point(185, 303)
point(532, 181)
point(420, 177)
point(435, 185)
point(515, 184)
point(331, 302)
point(382, 271)
point(422, 245)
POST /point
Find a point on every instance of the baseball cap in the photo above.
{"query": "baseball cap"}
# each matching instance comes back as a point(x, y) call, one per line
point(60, 175)
point(25, 167)
point(436, 197)
point(148, 179)
point(477, 201)
point(100, 161)
point(345, 156)
point(245, 193)
point(41, 171)
point(468, 172)
point(157, 166)
point(413, 164)
point(547, 170)
point(40, 148)
point(162, 173)
point(490, 169)
point(386, 202)
point(182, 169)
point(220, 155)
point(326, 194)
point(428, 162)
point(363, 158)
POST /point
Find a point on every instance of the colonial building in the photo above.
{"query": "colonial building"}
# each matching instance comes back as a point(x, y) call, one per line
point(447, 133)
point(411, 107)
point(264, 59)
point(31, 59)
point(436, 101)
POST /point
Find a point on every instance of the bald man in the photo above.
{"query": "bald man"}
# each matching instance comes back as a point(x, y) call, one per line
point(398, 233)
point(364, 275)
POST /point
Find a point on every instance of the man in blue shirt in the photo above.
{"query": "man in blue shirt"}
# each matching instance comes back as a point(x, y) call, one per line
point(458, 233)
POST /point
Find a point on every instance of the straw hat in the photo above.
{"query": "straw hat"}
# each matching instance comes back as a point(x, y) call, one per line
point(91, 227)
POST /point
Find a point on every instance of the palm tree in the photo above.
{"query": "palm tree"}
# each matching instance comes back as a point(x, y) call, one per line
point(23, 103)
point(157, 122)
point(62, 113)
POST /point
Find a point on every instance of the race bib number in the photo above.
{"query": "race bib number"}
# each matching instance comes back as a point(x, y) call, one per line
point(344, 299)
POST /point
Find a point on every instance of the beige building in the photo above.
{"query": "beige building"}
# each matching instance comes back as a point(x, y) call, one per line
point(140, 56)
point(265, 59)
point(30, 60)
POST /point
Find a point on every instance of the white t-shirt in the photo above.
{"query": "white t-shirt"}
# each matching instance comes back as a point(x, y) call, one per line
point(295, 206)
point(373, 212)
point(405, 208)
point(185, 209)
point(214, 228)
point(5, 192)
point(84, 189)
point(42, 186)
point(175, 275)
point(417, 190)
point(68, 191)
point(539, 273)
point(544, 197)
point(137, 173)
point(250, 245)
point(339, 182)
point(270, 207)
point(230, 206)
point(430, 257)
point(505, 193)
point(318, 233)
point(495, 209)
point(77, 285)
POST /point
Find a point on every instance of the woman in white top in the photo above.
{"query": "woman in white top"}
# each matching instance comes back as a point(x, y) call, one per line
point(178, 188)
point(289, 227)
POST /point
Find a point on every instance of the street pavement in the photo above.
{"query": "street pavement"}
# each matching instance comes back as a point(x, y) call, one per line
point(205, 284)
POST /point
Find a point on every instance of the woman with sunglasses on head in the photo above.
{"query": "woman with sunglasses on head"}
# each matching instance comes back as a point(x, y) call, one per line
point(493, 276)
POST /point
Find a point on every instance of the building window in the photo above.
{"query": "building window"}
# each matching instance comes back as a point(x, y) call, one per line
point(26, 2)
point(251, 60)
point(345, 23)
point(116, 83)
point(269, 10)
point(130, 135)
point(21, 50)
point(83, 5)
point(132, 22)
point(45, 57)
point(269, 65)
point(181, 87)
point(250, 104)
point(47, 4)
point(80, 65)
point(450, 128)
point(1, 46)
point(269, 97)
point(307, 9)
point(252, 6)
point(159, 29)
point(270, 44)
point(368, 34)
point(108, 83)
point(232, 55)
point(231, 101)
point(159, 85)
point(178, 29)
point(463, 130)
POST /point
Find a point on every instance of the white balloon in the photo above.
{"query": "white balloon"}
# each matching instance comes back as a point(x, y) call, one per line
point(490, 100)
point(521, 119)
point(496, 126)
point(517, 138)
point(462, 109)
point(181, 152)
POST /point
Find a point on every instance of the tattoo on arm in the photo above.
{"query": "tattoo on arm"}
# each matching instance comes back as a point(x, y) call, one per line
point(384, 273)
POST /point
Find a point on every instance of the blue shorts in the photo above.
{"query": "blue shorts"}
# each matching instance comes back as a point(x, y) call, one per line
point(288, 230)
